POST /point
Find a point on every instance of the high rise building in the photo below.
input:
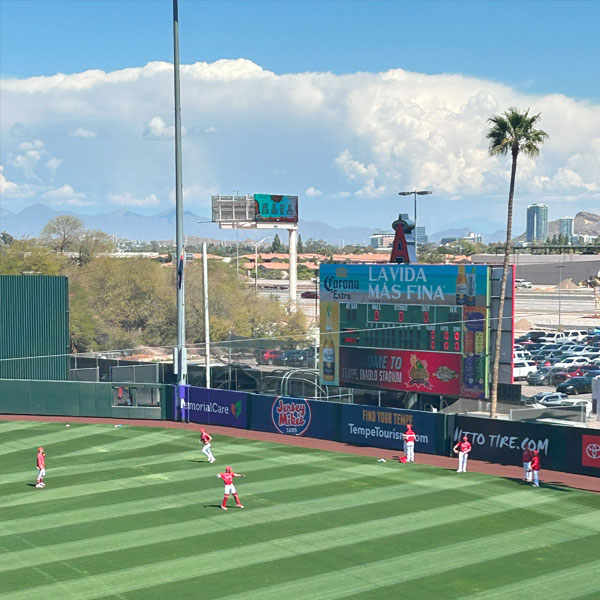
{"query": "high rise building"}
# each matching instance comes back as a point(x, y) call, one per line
point(537, 223)
point(421, 235)
point(565, 227)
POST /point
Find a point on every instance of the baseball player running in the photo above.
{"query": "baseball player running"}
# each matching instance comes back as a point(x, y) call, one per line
point(409, 443)
point(41, 467)
point(462, 449)
point(227, 478)
point(206, 439)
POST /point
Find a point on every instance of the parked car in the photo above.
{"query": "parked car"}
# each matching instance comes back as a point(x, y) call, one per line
point(560, 375)
point(568, 361)
point(586, 405)
point(542, 397)
point(543, 376)
point(577, 335)
point(575, 385)
point(523, 284)
point(553, 337)
point(267, 357)
point(521, 368)
point(521, 355)
point(285, 358)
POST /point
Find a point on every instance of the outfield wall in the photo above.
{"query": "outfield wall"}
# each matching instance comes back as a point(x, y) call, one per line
point(562, 448)
point(78, 399)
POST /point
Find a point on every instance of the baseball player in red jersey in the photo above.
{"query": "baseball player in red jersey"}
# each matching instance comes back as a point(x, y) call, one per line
point(462, 449)
point(41, 467)
point(535, 468)
point(206, 439)
point(409, 443)
point(227, 478)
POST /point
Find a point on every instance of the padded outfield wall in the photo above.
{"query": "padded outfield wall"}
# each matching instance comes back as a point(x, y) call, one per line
point(562, 448)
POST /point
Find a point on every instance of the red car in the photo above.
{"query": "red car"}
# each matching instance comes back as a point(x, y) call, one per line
point(267, 357)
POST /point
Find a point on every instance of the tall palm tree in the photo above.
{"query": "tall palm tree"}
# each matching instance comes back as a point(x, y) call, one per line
point(512, 132)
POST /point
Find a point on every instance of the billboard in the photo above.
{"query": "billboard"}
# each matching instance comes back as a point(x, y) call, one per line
point(422, 328)
point(271, 208)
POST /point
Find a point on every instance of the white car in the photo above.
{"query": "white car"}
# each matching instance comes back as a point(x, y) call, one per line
point(571, 361)
point(523, 284)
point(576, 335)
point(553, 337)
point(569, 403)
point(522, 368)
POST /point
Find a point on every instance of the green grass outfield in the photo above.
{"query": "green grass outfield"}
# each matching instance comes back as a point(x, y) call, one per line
point(132, 513)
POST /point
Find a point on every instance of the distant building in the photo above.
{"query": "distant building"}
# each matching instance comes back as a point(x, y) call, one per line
point(565, 227)
point(383, 240)
point(537, 223)
point(420, 235)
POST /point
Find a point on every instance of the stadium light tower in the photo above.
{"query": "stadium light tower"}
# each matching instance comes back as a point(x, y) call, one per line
point(416, 193)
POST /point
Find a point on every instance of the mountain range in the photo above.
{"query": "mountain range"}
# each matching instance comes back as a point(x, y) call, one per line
point(126, 224)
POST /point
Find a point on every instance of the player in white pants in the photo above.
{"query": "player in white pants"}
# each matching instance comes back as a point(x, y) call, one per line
point(462, 449)
point(206, 439)
point(409, 443)
point(227, 478)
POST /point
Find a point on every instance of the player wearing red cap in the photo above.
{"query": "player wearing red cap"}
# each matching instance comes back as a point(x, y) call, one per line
point(462, 449)
point(227, 478)
point(206, 439)
point(41, 467)
point(535, 468)
point(409, 443)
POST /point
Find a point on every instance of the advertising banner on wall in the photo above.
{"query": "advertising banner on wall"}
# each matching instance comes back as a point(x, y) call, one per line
point(406, 327)
point(294, 416)
point(215, 407)
point(590, 451)
point(383, 427)
point(504, 441)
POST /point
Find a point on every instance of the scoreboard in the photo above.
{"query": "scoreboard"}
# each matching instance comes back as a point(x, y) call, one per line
point(406, 327)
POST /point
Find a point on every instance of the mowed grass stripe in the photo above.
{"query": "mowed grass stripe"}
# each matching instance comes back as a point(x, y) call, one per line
point(66, 471)
point(178, 502)
point(203, 479)
point(120, 534)
point(365, 576)
point(314, 547)
point(548, 582)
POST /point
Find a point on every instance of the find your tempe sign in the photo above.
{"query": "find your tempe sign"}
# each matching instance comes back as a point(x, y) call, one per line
point(291, 417)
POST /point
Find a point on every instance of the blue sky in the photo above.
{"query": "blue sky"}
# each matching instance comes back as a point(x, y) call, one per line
point(343, 103)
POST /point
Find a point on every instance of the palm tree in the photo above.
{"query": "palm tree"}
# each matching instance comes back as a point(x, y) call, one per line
point(512, 132)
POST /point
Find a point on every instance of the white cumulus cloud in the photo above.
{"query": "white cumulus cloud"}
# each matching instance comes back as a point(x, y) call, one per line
point(80, 132)
point(313, 192)
point(364, 136)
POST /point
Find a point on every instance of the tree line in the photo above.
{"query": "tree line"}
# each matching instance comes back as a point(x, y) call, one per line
point(119, 303)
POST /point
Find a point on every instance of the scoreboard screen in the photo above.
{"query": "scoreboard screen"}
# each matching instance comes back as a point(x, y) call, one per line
point(406, 327)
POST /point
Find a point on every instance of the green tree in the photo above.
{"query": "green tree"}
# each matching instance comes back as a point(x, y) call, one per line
point(6, 239)
point(62, 233)
point(512, 132)
point(92, 243)
point(300, 245)
point(29, 256)
point(276, 246)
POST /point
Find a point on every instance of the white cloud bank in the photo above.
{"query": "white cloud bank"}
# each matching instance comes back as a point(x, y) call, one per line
point(351, 140)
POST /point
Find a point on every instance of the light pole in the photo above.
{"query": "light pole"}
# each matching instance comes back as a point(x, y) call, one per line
point(256, 263)
point(416, 193)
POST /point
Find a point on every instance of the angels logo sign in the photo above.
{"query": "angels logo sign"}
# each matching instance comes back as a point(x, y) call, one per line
point(590, 451)
point(291, 417)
